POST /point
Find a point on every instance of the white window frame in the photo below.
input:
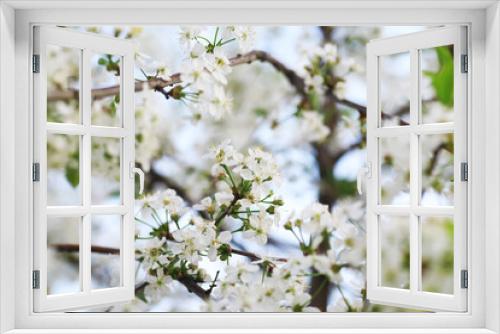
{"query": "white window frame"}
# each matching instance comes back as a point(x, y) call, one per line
point(16, 20)
point(88, 45)
point(412, 44)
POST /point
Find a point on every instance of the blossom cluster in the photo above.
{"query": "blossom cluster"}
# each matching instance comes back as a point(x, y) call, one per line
point(181, 239)
point(204, 70)
point(324, 72)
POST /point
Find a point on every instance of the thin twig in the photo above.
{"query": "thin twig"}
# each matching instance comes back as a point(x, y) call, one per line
point(93, 249)
point(253, 256)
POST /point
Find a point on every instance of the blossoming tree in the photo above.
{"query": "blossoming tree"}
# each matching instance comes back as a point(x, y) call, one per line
point(222, 226)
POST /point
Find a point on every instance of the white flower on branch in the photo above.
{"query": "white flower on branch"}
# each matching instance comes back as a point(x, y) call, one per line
point(206, 204)
point(243, 272)
point(189, 243)
point(218, 65)
point(158, 285)
point(328, 52)
point(339, 89)
point(316, 219)
point(194, 74)
point(223, 238)
point(151, 66)
point(225, 154)
point(327, 265)
point(171, 202)
point(154, 255)
point(262, 166)
point(315, 82)
point(260, 225)
point(245, 35)
point(223, 198)
point(188, 35)
point(218, 104)
point(311, 127)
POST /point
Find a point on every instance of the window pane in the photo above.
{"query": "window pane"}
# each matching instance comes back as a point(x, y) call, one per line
point(437, 84)
point(394, 170)
point(63, 170)
point(106, 170)
point(106, 245)
point(437, 254)
point(437, 169)
point(63, 82)
point(106, 73)
point(394, 251)
point(63, 257)
point(394, 88)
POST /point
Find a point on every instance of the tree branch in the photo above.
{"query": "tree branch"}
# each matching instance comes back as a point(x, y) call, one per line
point(342, 152)
point(435, 155)
point(159, 84)
point(190, 284)
point(93, 249)
point(253, 256)
point(116, 251)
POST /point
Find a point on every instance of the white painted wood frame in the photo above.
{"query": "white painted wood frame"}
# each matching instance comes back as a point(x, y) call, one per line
point(413, 44)
point(86, 45)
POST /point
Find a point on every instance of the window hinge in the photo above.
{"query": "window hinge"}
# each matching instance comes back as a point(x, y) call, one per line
point(464, 279)
point(36, 172)
point(464, 171)
point(36, 279)
point(36, 63)
point(465, 63)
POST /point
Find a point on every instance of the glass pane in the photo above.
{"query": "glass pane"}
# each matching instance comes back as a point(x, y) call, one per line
point(394, 251)
point(437, 254)
point(63, 257)
point(63, 83)
point(106, 259)
point(437, 169)
point(106, 73)
point(394, 89)
point(437, 84)
point(63, 170)
point(106, 170)
point(394, 170)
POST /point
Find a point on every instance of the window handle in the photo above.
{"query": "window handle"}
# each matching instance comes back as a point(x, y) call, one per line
point(135, 170)
point(363, 173)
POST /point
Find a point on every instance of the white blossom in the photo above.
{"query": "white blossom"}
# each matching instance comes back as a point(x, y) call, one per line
point(187, 36)
point(219, 103)
point(245, 35)
point(260, 224)
point(218, 65)
point(316, 218)
point(311, 127)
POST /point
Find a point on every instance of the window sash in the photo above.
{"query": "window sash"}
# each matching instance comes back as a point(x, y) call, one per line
point(414, 296)
point(88, 44)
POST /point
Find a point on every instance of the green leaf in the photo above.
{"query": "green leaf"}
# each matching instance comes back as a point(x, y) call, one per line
point(102, 61)
point(442, 79)
point(72, 174)
point(139, 137)
point(139, 294)
point(261, 112)
point(224, 252)
point(112, 108)
point(345, 188)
